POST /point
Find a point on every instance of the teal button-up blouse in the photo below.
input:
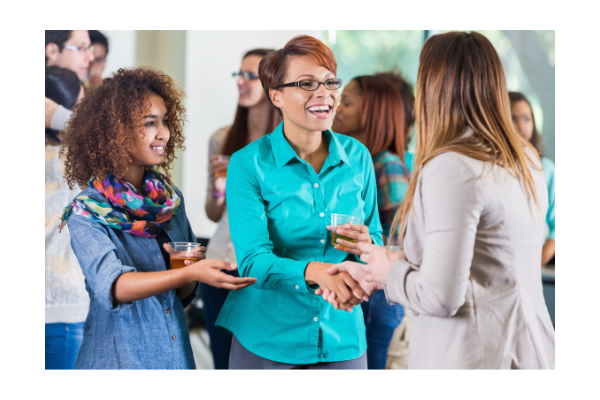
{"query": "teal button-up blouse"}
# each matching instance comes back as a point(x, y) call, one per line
point(278, 212)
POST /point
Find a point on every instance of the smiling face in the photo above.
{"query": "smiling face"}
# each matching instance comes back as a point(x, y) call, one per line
point(251, 92)
point(148, 145)
point(310, 111)
point(523, 119)
point(347, 119)
point(76, 61)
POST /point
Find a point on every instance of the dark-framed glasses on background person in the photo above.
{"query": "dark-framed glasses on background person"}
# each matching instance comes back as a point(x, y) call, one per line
point(249, 76)
point(81, 49)
point(312, 85)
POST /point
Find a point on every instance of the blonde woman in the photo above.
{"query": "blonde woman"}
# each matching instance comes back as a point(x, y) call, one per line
point(473, 222)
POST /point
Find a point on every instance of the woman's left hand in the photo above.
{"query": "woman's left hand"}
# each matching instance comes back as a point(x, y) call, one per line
point(379, 259)
point(358, 232)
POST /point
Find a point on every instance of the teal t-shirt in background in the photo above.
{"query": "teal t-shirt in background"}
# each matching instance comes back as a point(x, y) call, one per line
point(548, 166)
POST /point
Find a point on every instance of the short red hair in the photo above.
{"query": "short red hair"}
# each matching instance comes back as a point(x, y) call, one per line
point(272, 69)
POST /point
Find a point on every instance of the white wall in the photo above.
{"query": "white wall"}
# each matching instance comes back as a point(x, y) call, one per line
point(211, 57)
point(122, 48)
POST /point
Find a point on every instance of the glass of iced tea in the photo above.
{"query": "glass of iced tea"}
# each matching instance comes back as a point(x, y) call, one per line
point(179, 252)
point(338, 220)
point(218, 160)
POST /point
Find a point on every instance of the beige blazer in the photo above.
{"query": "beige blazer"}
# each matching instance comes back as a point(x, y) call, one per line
point(472, 277)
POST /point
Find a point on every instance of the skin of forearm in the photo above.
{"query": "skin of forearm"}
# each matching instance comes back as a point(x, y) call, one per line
point(548, 251)
point(214, 207)
point(132, 286)
point(313, 269)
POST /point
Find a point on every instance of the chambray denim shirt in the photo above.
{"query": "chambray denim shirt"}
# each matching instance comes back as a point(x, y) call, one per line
point(145, 334)
point(278, 212)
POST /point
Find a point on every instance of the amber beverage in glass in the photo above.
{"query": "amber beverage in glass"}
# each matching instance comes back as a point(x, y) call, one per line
point(179, 252)
point(338, 220)
point(222, 173)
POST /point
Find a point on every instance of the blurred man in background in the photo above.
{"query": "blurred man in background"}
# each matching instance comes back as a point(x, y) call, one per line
point(100, 45)
point(71, 50)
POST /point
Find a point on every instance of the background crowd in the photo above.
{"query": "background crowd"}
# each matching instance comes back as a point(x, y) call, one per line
point(376, 109)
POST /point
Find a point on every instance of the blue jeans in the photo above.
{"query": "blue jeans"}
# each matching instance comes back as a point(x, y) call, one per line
point(220, 345)
point(381, 319)
point(62, 344)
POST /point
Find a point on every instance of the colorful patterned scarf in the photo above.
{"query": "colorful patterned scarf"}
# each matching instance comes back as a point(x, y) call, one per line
point(125, 209)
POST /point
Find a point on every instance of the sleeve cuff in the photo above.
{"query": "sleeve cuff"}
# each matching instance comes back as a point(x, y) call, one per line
point(106, 299)
point(60, 118)
point(395, 281)
point(294, 279)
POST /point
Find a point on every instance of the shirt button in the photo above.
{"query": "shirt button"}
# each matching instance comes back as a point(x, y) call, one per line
point(316, 185)
point(322, 214)
point(297, 287)
point(173, 337)
point(322, 240)
point(168, 311)
point(316, 319)
point(168, 227)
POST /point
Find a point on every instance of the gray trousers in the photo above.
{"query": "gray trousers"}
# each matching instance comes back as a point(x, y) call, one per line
point(240, 358)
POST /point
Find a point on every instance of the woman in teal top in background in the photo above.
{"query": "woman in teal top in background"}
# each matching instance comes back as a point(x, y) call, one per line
point(372, 111)
point(408, 103)
point(522, 116)
point(282, 189)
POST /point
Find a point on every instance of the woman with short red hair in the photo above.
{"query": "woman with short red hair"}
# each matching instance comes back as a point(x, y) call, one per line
point(281, 191)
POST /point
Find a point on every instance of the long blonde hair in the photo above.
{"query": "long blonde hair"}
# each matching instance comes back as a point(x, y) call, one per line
point(461, 84)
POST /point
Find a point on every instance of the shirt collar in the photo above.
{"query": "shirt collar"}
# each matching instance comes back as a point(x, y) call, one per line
point(283, 152)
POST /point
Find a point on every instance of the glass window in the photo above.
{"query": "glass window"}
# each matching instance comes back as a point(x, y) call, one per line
point(368, 52)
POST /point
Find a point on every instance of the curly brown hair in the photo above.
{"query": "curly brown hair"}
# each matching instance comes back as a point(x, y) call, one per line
point(98, 137)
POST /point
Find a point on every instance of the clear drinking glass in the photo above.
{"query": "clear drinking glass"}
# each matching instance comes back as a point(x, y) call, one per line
point(393, 252)
point(218, 160)
point(179, 252)
point(338, 220)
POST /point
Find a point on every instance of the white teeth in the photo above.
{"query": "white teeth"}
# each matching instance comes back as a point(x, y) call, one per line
point(319, 108)
point(158, 148)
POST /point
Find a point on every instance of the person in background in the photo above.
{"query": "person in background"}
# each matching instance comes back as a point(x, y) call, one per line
point(119, 147)
point(371, 110)
point(67, 301)
point(254, 118)
point(282, 189)
point(71, 50)
point(408, 101)
point(522, 115)
point(472, 222)
point(100, 46)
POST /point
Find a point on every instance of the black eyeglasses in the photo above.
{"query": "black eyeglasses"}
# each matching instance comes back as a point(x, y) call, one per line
point(312, 85)
point(249, 76)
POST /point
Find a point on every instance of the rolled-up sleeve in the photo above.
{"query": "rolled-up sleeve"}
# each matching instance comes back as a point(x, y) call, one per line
point(452, 206)
point(97, 257)
point(250, 235)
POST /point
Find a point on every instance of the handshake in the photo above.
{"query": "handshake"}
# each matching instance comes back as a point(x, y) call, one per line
point(347, 284)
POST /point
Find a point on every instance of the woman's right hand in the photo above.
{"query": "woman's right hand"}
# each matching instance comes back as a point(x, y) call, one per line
point(348, 291)
point(209, 272)
point(218, 166)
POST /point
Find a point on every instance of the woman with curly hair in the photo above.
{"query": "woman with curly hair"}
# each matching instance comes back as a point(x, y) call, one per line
point(119, 138)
